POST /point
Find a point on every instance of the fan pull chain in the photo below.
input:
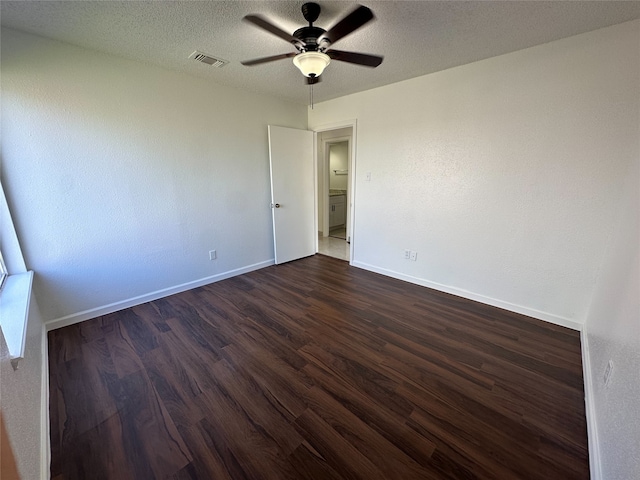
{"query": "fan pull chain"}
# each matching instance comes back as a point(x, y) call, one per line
point(311, 95)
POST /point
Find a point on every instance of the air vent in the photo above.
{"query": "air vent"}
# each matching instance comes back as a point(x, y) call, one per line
point(208, 59)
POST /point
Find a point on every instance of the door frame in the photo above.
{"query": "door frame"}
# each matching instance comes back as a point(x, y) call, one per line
point(351, 191)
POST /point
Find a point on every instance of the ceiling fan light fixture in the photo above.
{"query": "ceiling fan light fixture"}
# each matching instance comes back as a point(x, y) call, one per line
point(311, 64)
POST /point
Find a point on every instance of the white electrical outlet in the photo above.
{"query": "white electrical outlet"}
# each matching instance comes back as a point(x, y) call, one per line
point(368, 177)
point(607, 373)
point(407, 254)
point(413, 256)
point(212, 255)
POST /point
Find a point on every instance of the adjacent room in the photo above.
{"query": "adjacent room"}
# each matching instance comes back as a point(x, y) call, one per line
point(439, 281)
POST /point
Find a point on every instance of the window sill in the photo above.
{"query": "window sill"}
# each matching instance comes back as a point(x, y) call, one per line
point(14, 313)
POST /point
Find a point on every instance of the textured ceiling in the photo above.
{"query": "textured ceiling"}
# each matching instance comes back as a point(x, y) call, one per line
point(415, 37)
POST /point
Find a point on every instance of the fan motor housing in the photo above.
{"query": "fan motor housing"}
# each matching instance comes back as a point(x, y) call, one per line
point(310, 12)
point(309, 37)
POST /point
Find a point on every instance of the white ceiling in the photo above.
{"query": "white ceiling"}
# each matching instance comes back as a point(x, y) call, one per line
point(415, 37)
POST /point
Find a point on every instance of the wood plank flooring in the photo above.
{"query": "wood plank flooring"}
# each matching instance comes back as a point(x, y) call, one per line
point(316, 370)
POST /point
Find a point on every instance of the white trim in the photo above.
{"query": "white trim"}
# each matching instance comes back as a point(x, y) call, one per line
point(149, 297)
point(316, 193)
point(512, 307)
point(12, 253)
point(595, 463)
point(14, 309)
point(335, 125)
point(45, 434)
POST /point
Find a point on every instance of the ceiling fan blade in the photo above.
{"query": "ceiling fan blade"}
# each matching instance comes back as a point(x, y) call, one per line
point(349, 24)
point(313, 80)
point(357, 58)
point(258, 61)
point(271, 28)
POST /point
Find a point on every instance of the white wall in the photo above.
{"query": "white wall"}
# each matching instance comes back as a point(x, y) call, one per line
point(613, 332)
point(504, 175)
point(21, 398)
point(122, 176)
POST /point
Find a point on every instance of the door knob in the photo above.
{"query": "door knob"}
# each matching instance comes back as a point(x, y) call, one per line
point(277, 205)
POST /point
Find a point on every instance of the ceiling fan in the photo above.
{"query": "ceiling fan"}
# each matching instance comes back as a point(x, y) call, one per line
point(313, 44)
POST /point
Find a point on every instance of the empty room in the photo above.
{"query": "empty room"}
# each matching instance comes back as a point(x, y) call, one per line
point(288, 240)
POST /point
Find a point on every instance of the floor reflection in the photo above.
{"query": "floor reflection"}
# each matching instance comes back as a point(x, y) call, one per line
point(333, 247)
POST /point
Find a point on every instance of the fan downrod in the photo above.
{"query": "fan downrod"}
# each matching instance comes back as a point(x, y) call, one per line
point(310, 12)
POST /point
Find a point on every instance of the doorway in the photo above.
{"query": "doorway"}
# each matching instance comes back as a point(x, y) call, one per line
point(335, 192)
point(338, 163)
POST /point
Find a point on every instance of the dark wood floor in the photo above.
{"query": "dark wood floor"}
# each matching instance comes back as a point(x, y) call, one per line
point(316, 370)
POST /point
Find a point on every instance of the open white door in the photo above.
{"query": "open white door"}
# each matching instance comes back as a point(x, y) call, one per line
point(292, 193)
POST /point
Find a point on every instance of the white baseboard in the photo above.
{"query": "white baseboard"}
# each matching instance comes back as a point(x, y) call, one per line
point(595, 465)
point(149, 297)
point(530, 312)
point(45, 434)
